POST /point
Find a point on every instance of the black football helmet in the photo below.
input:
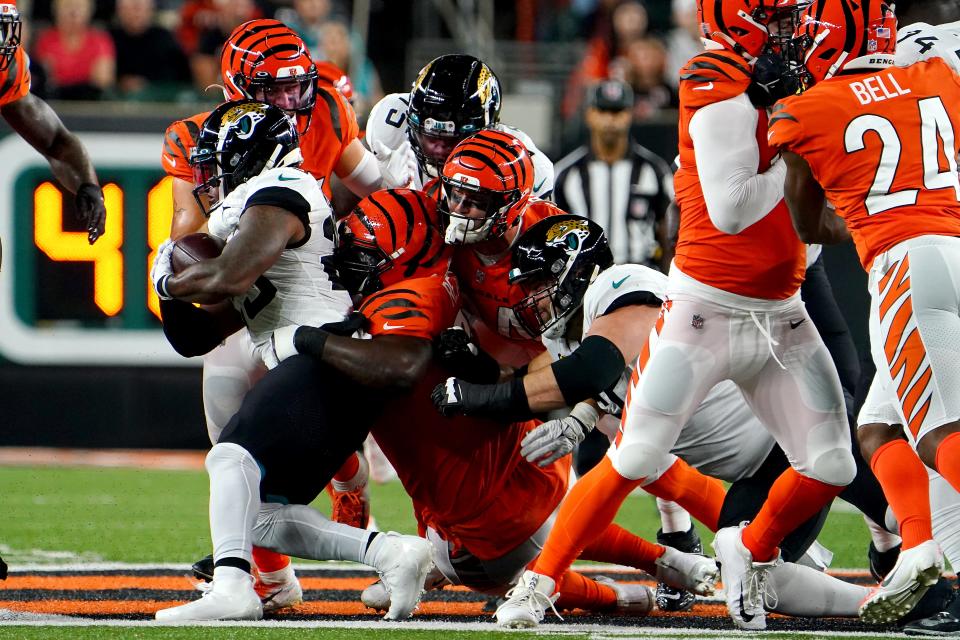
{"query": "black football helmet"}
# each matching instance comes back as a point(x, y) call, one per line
point(239, 140)
point(554, 261)
point(453, 97)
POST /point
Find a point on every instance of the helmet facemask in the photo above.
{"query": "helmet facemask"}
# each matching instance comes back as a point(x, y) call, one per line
point(551, 299)
point(10, 34)
point(461, 195)
point(359, 264)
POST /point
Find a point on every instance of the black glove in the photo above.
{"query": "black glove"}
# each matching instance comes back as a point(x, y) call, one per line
point(90, 210)
point(464, 359)
point(354, 322)
point(772, 80)
point(507, 401)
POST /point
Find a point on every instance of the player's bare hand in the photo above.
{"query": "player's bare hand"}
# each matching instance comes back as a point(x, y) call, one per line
point(91, 210)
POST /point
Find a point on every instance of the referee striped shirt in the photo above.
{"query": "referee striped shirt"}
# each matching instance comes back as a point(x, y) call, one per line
point(627, 198)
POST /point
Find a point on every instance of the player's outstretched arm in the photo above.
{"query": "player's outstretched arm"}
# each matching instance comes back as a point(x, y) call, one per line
point(42, 128)
point(814, 222)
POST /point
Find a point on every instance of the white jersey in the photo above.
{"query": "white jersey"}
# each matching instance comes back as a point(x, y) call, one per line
point(723, 439)
point(388, 124)
point(922, 41)
point(296, 289)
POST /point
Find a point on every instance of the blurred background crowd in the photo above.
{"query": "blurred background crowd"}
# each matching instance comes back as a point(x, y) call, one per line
point(552, 51)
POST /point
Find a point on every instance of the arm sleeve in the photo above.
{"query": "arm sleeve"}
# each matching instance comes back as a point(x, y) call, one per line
point(724, 141)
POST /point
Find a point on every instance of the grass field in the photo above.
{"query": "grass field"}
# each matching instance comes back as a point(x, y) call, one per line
point(70, 517)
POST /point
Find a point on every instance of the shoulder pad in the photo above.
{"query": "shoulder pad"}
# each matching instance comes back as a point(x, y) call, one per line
point(289, 178)
point(617, 282)
point(537, 210)
point(783, 127)
point(713, 76)
point(178, 142)
point(387, 122)
point(421, 307)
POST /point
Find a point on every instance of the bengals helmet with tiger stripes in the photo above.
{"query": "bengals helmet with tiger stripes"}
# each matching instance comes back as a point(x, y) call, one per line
point(10, 32)
point(834, 33)
point(486, 184)
point(743, 26)
point(265, 60)
point(390, 236)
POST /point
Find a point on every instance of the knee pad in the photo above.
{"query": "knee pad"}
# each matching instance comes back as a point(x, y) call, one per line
point(638, 460)
point(229, 453)
point(834, 466)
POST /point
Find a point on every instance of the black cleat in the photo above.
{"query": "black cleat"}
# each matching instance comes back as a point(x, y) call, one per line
point(669, 598)
point(939, 597)
point(203, 569)
point(881, 562)
point(3, 569)
point(945, 622)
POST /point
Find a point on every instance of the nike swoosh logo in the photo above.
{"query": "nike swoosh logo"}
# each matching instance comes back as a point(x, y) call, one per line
point(172, 161)
point(671, 596)
point(538, 185)
point(387, 326)
point(284, 178)
point(706, 87)
point(795, 324)
point(617, 283)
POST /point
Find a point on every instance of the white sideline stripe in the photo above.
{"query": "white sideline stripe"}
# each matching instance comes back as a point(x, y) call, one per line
point(597, 631)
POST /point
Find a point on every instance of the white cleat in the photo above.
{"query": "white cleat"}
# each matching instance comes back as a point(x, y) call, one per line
point(402, 563)
point(745, 582)
point(377, 597)
point(279, 589)
point(916, 570)
point(527, 602)
point(230, 597)
point(688, 571)
point(632, 599)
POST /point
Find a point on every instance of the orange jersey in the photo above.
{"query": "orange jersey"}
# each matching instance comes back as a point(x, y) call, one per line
point(766, 260)
point(333, 126)
point(15, 80)
point(876, 144)
point(419, 308)
point(491, 297)
point(457, 471)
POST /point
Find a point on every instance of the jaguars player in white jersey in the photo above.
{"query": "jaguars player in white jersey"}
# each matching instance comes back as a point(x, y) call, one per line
point(922, 41)
point(453, 97)
point(593, 314)
point(295, 427)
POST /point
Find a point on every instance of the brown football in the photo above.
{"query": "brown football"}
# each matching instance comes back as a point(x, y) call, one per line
point(194, 248)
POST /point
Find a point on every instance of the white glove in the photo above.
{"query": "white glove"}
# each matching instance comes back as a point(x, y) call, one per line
point(556, 438)
point(282, 340)
point(225, 218)
point(398, 167)
point(162, 269)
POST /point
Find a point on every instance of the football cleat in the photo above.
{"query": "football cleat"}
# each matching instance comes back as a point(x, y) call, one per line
point(278, 590)
point(943, 623)
point(402, 563)
point(203, 568)
point(632, 599)
point(882, 562)
point(377, 597)
point(940, 598)
point(748, 594)
point(688, 571)
point(670, 598)
point(3, 569)
point(351, 507)
point(230, 597)
point(527, 602)
point(915, 571)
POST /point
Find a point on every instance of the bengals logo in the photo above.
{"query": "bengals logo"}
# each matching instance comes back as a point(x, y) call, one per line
point(243, 118)
point(569, 234)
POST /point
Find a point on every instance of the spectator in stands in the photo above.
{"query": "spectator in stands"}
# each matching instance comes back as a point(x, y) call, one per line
point(307, 18)
point(205, 61)
point(150, 63)
point(683, 41)
point(79, 58)
point(195, 17)
point(619, 184)
point(628, 23)
point(644, 68)
point(338, 48)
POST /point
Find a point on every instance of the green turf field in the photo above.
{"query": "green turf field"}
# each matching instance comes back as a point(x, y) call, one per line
point(128, 515)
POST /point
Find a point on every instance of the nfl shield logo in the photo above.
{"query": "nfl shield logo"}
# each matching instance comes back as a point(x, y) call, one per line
point(697, 321)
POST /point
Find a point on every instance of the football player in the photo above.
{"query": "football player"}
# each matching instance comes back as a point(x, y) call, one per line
point(882, 167)
point(566, 267)
point(290, 434)
point(483, 507)
point(36, 122)
point(454, 96)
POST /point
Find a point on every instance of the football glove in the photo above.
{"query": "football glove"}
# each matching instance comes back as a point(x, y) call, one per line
point(162, 269)
point(225, 218)
point(503, 401)
point(464, 359)
point(91, 210)
point(398, 166)
point(556, 438)
point(448, 397)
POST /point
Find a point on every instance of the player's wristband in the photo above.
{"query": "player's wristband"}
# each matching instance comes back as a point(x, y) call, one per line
point(161, 287)
point(310, 341)
point(506, 400)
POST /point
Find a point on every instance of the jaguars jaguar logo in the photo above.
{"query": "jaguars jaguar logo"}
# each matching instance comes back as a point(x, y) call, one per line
point(243, 118)
point(568, 234)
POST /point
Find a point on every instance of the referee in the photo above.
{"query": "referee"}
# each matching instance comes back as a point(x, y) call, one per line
point(619, 184)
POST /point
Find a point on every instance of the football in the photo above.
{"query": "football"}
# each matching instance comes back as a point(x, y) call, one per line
point(194, 248)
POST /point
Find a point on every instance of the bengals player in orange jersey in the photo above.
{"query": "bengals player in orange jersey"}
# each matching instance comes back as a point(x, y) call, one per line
point(36, 122)
point(486, 188)
point(885, 158)
point(265, 60)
